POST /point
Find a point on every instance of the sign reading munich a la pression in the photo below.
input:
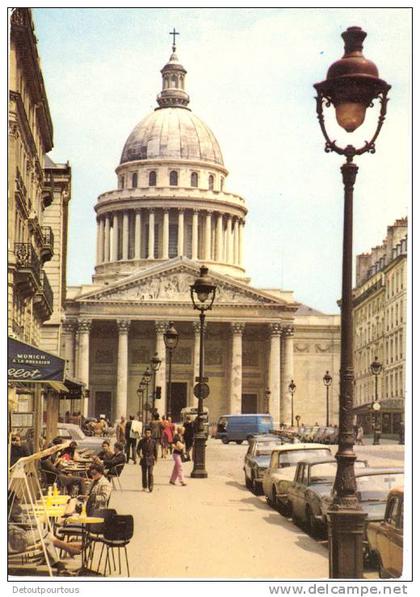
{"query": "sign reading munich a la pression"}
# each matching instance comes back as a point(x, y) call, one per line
point(28, 363)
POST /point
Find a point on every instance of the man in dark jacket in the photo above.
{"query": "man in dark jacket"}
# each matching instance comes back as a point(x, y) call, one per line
point(147, 451)
point(115, 464)
point(130, 441)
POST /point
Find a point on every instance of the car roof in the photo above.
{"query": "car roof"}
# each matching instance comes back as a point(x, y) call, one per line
point(264, 437)
point(365, 472)
point(317, 460)
point(301, 447)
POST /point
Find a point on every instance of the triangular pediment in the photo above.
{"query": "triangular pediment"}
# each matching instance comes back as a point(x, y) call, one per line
point(170, 283)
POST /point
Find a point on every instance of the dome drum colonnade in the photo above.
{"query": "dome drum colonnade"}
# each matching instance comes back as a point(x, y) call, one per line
point(170, 200)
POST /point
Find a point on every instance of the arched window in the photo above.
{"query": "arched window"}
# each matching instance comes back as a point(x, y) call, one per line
point(134, 180)
point(152, 179)
point(173, 178)
point(194, 179)
point(211, 182)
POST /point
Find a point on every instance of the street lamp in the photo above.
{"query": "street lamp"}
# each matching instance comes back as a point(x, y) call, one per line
point(140, 394)
point(327, 379)
point(376, 368)
point(292, 390)
point(155, 363)
point(147, 376)
point(351, 85)
point(170, 337)
point(203, 293)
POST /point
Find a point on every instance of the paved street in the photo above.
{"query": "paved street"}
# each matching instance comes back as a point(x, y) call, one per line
point(215, 527)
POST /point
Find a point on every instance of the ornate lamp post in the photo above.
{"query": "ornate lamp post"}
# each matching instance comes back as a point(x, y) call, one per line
point(140, 394)
point(170, 337)
point(292, 390)
point(147, 376)
point(376, 368)
point(327, 379)
point(202, 296)
point(351, 85)
point(155, 363)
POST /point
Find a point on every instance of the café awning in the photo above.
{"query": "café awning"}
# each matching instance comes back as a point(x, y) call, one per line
point(27, 363)
point(73, 389)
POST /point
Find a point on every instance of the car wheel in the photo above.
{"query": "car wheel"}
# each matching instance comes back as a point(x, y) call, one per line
point(283, 509)
point(247, 482)
point(273, 498)
point(225, 440)
point(382, 571)
point(311, 524)
point(295, 519)
point(239, 441)
point(255, 487)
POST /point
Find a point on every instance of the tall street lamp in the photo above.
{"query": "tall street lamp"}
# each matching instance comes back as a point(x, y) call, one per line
point(170, 337)
point(140, 394)
point(292, 390)
point(327, 379)
point(351, 85)
point(202, 296)
point(155, 363)
point(376, 368)
point(147, 376)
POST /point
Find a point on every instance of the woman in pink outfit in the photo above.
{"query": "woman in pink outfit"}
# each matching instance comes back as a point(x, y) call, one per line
point(178, 448)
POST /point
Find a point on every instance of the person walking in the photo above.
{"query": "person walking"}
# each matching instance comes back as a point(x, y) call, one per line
point(120, 431)
point(155, 427)
point(130, 441)
point(178, 448)
point(188, 436)
point(359, 436)
point(147, 452)
point(168, 435)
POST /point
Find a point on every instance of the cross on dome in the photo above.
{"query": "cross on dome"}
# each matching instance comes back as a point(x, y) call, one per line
point(173, 33)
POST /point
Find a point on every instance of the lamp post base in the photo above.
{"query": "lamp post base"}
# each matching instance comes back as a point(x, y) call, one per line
point(199, 469)
point(376, 437)
point(346, 530)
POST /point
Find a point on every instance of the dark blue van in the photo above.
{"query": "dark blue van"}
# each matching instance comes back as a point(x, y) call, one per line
point(237, 428)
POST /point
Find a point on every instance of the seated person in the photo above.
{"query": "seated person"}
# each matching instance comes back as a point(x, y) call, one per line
point(54, 474)
point(112, 466)
point(70, 453)
point(106, 454)
point(100, 490)
point(17, 449)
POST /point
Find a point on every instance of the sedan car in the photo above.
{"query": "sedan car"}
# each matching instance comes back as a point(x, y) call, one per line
point(386, 540)
point(257, 458)
point(73, 432)
point(281, 471)
point(314, 479)
point(373, 485)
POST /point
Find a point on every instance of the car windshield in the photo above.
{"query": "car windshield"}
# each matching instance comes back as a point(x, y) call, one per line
point(265, 448)
point(375, 488)
point(294, 456)
point(323, 473)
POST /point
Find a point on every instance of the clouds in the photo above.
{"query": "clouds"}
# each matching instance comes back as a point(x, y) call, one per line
point(250, 77)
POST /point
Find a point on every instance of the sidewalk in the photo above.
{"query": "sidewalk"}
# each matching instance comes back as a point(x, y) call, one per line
point(212, 528)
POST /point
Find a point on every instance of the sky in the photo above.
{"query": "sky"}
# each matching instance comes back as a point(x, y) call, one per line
point(250, 79)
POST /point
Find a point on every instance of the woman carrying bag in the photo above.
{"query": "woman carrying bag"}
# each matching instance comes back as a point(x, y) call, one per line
point(178, 450)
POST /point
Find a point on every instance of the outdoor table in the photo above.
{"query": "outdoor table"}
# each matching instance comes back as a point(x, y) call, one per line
point(54, 500)
point(84, 521)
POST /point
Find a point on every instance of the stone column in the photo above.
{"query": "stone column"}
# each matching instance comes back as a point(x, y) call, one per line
point(100, 242)
point(207, 238)
point(229, 240)
point(274, 373)
point(285, 406)
point(125, 236)
point(195, 234)
point(122, 369)
point(236, 241)
point(106, 239)
point(160, 348)
point(83, 357)
point(151, 249)
point(180, 232)
point(115, 238)
point(165, 235)
point(235, 397)
point(137, 236)
point(219, 238)
point(241, 244)
point(68, 329)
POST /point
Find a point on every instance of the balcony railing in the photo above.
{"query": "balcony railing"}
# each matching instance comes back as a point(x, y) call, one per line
point(44, 298)
point(26, 258)
point(47, 250)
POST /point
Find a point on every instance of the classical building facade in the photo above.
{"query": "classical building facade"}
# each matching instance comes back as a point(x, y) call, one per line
point(38, 196)
point(169, 214)
point(379, 318)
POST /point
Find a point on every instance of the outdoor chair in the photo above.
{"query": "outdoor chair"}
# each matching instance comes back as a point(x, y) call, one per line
point(117, 535)
point(115, 477)
point(96, 532)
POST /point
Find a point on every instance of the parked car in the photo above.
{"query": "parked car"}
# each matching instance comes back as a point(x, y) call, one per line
point(330, 436)
point(373, 486)
point(386, 538)
point(319, 434)
point(238, 428)
point(73, 432)
point(309, 433)
point(257, 459)
point(314, 478)
point(281, 471)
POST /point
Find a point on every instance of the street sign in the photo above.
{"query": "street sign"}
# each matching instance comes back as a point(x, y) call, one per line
point(201, 390)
